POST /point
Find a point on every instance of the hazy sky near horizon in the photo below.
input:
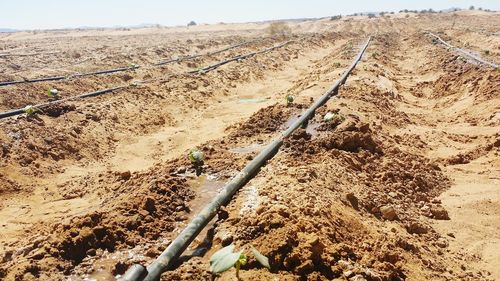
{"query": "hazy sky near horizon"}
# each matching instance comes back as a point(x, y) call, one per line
point(45, 14)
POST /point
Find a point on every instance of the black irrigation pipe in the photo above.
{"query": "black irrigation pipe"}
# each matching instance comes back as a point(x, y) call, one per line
point(113, 89)
point(181, 242)
point(207, 54)
point(46, 104)
point(494, 65)
point(236, 58)
point(56, 78)
point(121, 69)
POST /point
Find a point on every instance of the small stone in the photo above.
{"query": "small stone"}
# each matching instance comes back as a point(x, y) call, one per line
point(442, 243)
point(439, 213)
point(358, 278)
point(125, 175)
point(39, 254)
point(393, 194)
point(451, 235)
point(149, 205)
point(353, 200)
point(344, 264)
point(181, 170)
point(152, 252)
point(348, 274)
point(416, 228)
point(425, 208)
point(388, 212)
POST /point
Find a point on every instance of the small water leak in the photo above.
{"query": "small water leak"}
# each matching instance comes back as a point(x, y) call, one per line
point(251, 200)
point(311, 126)
point(206, 188)
point(105, 264)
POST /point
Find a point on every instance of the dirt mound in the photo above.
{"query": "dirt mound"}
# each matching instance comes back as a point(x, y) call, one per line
point(145, 206)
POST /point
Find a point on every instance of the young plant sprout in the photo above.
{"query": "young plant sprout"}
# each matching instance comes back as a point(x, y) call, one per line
point(225, 258)
point(52, 92)
point(289, 99)
point(329, 116)
point(335, 118)
point(196, 158)
point(133, 65)
point(29, 110)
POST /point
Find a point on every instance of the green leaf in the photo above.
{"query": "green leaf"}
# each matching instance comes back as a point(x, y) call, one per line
point(243, 259)
point(29, 110)
point(221, 253)
point(263, 260)
point(195, 156)
point(225, 262)
point(329, 116)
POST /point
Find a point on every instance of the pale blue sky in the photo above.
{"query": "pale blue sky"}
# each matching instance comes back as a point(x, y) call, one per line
point(42, 14)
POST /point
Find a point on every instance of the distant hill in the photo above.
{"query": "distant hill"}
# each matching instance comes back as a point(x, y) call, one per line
point(6, 30)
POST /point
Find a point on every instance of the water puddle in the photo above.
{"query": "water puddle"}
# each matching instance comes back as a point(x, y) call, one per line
point(254, 100)
point(206, 188)
point(311, 126)
point(107, 263)
point(254, 147)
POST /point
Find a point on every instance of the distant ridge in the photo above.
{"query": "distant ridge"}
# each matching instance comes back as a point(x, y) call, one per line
point(6, 30)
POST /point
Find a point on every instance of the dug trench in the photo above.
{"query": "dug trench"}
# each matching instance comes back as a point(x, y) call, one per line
point(366, 198)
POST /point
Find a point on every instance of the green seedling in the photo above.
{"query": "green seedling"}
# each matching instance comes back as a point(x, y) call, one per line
point(133, 65)
point(289, 99)
point(52, 93)
point(329, 116)
point(333, 117)
point(375, 55)
point(225, 258)
point(29, 110)
point(336, 65)
point(498, 69)
point(195, 156)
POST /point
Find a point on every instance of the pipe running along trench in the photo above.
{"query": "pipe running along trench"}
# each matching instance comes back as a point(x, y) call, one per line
point(136, 83)
point(494, 65)
point(153, 272)
point(122, 69)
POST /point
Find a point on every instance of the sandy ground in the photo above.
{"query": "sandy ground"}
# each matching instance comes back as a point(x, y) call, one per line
point(403, 187)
